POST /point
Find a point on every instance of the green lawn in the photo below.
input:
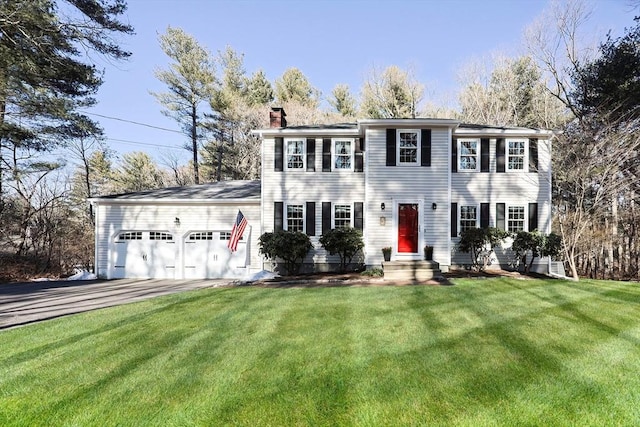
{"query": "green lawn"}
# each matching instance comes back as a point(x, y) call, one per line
point(482, 352)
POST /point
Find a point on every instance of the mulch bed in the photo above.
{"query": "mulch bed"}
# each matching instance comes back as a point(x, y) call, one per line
point(315, 280)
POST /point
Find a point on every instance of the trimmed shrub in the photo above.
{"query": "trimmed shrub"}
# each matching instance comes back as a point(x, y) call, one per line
point(346, 242)
point(289, 246)
point(479, 242)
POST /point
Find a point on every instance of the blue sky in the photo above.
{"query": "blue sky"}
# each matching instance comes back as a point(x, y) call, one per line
point(330, 41)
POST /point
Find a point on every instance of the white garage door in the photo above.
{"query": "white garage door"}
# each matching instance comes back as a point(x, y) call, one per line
point(207, 256)
point(143, 254)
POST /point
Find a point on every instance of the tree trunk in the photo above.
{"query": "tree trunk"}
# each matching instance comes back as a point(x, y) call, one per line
point(194, 143)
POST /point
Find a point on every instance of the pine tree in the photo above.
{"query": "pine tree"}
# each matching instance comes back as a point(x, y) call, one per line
point(191, 82)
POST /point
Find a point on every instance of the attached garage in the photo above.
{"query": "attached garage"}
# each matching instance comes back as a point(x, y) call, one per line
point(178, 233)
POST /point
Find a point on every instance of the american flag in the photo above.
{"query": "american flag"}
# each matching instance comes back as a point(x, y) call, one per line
point(236, 231)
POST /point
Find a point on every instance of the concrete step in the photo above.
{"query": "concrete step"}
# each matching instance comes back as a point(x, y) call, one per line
point(411, 270)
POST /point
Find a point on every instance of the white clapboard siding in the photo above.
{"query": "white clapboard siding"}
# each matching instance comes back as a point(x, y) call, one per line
point(112, 218)
point(386, 184)
point(302, 186)
point(510, 188)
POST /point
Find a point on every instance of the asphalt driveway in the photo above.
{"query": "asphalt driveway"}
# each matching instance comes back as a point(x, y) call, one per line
point(23, 303)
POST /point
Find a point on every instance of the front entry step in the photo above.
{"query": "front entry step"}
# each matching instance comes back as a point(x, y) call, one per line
point(418, 271)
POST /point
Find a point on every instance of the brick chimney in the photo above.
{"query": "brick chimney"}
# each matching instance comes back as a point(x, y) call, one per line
point(277, 118)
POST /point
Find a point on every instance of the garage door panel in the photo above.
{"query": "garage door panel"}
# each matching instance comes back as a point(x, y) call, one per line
point(143, 254)
point(206, 255)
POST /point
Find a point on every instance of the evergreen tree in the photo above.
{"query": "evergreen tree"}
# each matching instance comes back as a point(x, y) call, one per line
point(46, 76)
point(138, 172)
point(342, 101)
point(233, 81)
point(293, 86)
point(259, 89)
point(191, 82)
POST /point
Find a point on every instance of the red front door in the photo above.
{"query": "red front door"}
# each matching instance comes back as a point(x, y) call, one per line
point(407, 228)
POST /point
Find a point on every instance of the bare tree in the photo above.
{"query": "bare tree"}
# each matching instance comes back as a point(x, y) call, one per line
point(391, 93)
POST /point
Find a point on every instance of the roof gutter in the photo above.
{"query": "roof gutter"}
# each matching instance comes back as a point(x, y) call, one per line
point(116, 201)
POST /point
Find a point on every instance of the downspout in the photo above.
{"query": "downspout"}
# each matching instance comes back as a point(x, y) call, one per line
point(96, 239)
point(261, 195)
point(448, 234)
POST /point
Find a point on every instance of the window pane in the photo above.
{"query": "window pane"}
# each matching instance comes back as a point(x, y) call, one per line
point(342, 154)
point(295, 151)
point(408, 147)
point(515, 154)
point(468, 155)
point(342, 216)
point(158, 235)
point(516, 219)
point(468, 217)
point(295, 220)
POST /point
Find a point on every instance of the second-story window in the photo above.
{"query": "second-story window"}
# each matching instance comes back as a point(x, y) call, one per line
point(516, 154)
point(295, 154)
point(468, 154)
point(408, 146)
point(342, 154)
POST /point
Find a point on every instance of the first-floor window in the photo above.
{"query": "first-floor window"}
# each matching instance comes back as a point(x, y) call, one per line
point(295, 218)
point(515, 219)
point(468, 217)
point(342, 216)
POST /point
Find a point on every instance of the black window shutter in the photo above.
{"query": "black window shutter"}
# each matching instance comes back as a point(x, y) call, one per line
point(278, 208)
point(358, 216)
point(484, 215)
point(425, 147)
point(533, 155)
point(311, 154)
point(326, 217)
point(326, 155)
point(310, 219)
point(391, 147)
point(500, 218)
point(500, 155)
point(279, 155)
point(533, 216)
point(454, 220)
point(454, 155)
point(358, 156)
point(484, 155)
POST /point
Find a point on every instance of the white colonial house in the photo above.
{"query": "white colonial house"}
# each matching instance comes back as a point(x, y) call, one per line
point(406, 183)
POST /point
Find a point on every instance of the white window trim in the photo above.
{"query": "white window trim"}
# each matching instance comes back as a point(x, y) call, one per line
point(478, 149)
point(418, 147)
point(333, 213)
point(286, 154)
point(460, 205)
point(524, 206)
point(285, 225)
point(525, 165)
point(334, 155)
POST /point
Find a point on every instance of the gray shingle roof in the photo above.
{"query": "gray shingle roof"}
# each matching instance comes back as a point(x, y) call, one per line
point(223, 190)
